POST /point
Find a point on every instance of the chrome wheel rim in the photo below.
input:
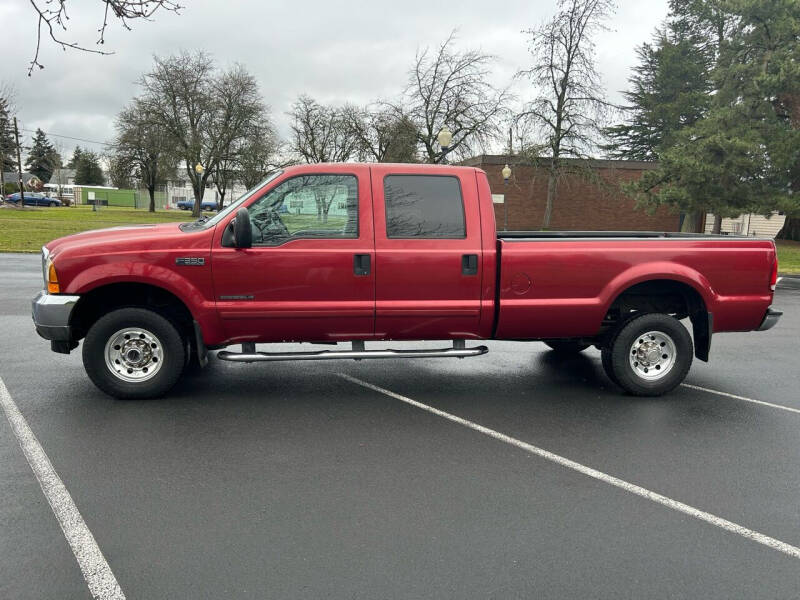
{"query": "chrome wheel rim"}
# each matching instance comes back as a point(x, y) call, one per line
point(652, 355)
point(134, 354)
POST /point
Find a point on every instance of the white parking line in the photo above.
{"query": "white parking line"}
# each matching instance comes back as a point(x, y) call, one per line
point(712, 519)
point(98, 575)
point(743, 398)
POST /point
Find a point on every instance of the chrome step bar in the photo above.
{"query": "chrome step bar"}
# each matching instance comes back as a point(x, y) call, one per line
point(459, 350)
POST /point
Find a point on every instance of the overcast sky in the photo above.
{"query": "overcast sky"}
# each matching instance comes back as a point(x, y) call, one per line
point(334, 51)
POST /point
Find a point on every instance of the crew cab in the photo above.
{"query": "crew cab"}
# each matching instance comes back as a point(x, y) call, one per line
point(377, 252)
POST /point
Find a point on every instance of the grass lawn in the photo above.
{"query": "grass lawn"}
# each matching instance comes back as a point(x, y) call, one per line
point(788, 257)
point(29, 229)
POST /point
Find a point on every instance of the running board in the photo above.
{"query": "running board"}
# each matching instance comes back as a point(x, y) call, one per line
point(459, 350)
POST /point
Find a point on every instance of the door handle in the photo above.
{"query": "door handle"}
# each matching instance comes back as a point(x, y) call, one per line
point(361, 264)
point(469, 264)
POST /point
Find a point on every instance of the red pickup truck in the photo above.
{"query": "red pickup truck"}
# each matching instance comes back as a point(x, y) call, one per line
point(373, 252)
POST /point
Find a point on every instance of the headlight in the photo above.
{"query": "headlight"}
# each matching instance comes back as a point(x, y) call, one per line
point(45, 258)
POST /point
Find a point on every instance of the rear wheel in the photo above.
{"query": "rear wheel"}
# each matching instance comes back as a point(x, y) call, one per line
point(649, 355)
point(566, 346)
point(133, 353)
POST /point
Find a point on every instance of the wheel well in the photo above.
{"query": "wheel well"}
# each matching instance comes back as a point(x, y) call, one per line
point(670, 297)
point(99, 301)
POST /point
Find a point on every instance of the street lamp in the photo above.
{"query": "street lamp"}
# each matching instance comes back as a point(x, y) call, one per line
point(198, 168)
point(444, 138)
point(506, 172)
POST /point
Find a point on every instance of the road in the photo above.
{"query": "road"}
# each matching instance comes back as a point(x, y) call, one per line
point(289, 480)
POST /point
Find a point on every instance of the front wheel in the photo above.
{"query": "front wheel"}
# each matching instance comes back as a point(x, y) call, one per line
point(53, 205)
point(649, 355)
point(133, 353)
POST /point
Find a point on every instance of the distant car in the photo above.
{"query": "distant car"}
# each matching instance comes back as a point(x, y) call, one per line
point(34, 199)
point(205, 204)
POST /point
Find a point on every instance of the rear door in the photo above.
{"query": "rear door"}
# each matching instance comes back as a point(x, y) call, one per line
point(428, 253)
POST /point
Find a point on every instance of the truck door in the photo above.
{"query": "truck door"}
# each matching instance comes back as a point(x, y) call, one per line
point(309, 275)
point(428, 253)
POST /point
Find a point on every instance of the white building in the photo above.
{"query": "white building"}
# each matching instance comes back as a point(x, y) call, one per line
point(749, 224)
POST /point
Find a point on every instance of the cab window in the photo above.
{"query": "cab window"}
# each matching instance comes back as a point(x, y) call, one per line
point(306, 206)
point(423, 206)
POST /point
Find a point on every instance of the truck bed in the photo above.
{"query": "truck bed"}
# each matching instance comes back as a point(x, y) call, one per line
point(563, 283)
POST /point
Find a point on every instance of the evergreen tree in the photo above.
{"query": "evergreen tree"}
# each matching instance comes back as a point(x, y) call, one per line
point(669, 91)
point(8, 160)
point(43, 158)
point(744, 155)
point(76, 158)
point(88, 170)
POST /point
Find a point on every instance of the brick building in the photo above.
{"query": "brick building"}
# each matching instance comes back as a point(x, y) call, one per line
point(591, 203)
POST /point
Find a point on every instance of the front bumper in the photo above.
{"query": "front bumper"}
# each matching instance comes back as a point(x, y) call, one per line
point(51, 313)
point(770, 319)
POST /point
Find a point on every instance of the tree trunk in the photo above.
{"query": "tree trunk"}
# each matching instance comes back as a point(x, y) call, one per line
point(198, 196)
point(221, 202)
point(152, 192)
point(717, 228)
point(552, 188)
point(693, 222)
point(790, 229)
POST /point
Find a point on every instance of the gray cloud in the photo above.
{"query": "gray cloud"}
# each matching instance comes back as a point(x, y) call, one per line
point(335, 51)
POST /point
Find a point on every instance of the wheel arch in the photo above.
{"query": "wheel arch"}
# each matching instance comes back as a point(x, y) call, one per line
point(671, 294)
point(102, 299)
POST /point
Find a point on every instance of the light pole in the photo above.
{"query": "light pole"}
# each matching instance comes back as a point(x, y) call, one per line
point(198, 168)
point(444, 138)
point(506, 172)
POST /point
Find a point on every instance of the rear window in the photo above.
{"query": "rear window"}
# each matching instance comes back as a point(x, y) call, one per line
point(423, 206)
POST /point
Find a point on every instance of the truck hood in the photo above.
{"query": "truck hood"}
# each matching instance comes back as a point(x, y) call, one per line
point(114, 238)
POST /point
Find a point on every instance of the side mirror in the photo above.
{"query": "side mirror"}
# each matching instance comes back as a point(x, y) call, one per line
point(242, 233)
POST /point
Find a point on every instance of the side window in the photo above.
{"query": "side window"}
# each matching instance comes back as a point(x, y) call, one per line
point(307, 206)
point(423, 206)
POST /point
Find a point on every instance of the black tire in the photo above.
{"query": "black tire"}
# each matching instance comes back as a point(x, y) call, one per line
point(605, 358)
point(53, 205)
point(666, 330)
point(171, 354)
point(566, 347)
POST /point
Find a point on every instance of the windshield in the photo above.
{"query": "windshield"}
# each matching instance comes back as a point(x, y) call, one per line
point(233, 206)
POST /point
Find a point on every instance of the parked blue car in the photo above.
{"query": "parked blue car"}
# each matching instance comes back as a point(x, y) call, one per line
point(204, 205)
point(34, 199)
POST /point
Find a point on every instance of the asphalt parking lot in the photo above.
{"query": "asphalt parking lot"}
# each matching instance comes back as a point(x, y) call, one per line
point(355, 480)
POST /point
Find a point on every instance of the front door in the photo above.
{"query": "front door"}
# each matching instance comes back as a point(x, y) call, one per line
point(309, 275)
point(428, 247)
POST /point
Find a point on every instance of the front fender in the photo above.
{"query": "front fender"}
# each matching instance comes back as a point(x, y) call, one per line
point(197, 296)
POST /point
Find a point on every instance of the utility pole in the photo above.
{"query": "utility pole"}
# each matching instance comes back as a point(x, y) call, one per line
point(19, 166)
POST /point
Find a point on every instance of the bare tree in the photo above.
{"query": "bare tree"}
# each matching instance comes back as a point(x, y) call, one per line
point(258, 154)
point(142, 148)
point(384, 133)
point(203, 112)
point(321, 133)
point(570, 104)
point(52, 19)
point(448, 87)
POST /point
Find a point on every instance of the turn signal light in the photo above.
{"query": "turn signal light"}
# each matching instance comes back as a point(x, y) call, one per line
point(52, 281)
